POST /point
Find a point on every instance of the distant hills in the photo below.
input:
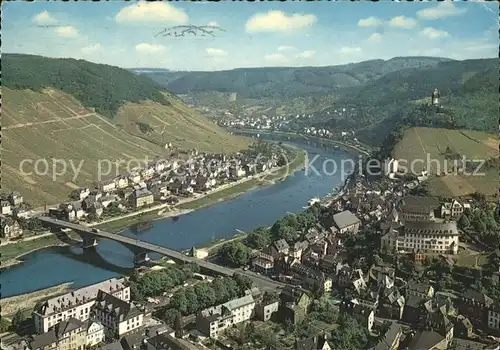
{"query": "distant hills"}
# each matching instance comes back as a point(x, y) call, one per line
point(285, 83)
point(76, 111)
point(383, 92)
point(469, 91)
point(148, 70)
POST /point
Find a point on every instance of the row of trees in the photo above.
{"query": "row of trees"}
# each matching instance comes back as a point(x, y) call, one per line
point(191, 300)
point(485, 222)
point(154, 283)
point(31, 224)
point(287, 227)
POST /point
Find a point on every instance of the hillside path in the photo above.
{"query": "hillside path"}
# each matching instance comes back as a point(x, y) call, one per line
point(15, 126)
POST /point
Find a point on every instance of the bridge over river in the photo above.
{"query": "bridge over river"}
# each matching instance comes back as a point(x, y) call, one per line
point(90, 237)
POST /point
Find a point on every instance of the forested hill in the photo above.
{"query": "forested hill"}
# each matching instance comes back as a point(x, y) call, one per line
point(453, 78)
point(287, 82)
point(103, 87)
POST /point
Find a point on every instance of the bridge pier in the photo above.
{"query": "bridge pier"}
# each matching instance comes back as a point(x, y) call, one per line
point(89, 242)
point(141, 258)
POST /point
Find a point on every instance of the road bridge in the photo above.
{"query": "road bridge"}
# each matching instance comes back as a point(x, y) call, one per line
point(90, 237)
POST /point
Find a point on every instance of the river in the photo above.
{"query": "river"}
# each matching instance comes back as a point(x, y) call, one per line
point(260, 207)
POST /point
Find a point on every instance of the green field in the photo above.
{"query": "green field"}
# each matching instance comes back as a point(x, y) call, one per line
point(432, 143)
point(53, 125)
point(15, 250)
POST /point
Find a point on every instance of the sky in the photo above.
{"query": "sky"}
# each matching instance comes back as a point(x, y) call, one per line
point(257, 34)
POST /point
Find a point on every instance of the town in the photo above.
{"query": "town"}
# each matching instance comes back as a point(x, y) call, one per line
point(296, 177)
point(157, 185)
point(378, 265)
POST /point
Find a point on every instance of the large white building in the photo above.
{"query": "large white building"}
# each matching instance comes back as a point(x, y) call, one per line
point(427, 237)
point(76, 304)
point(213, 320)
point(418, 208)
point(118, 316)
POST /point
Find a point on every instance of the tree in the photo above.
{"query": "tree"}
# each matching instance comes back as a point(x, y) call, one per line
point(17, 319)
point(220, 291)
point(4, 325)
point(170, 315)
point(464, 222)
point(258, 241)
point(349, 335)
point(192, 300)
point(235, 254)
point(244, 282)
point(179, 326)
point(179, 302)
point(205, 294)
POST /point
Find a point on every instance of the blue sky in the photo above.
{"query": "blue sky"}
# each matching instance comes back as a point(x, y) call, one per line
point(257, 34)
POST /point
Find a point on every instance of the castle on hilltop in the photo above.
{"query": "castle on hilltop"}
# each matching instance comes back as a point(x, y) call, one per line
point(435, 98)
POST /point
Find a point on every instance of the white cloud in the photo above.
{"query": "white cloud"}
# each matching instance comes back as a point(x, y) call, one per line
point(91, 49)
point(375, 37)
point(370, 22)
point(213, 52)
point(442, 10)
point(44, 18)
point(286, 48)
point(149, 48)
point(213, 24)
point(306, 54)
point(347, 50)
point(402, 22)
point(433, 33)
point(151, 12)
point(279, 21)
point(67, 31)
point(275, 57)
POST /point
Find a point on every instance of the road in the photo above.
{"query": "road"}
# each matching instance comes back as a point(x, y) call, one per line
point(149, 247)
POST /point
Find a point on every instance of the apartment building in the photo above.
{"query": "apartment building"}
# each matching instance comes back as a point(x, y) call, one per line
point(118, 316)
point(494, 318)
point(76, 304)
point(69, 334)
point(418, 208)
point(428, 237)
point(213, 320)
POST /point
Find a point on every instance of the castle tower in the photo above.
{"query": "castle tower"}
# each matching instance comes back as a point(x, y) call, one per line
point(435, 97)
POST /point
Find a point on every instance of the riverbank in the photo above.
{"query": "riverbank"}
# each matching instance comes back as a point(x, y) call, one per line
point(10, 254)
point(26, 302)
point(341, 144)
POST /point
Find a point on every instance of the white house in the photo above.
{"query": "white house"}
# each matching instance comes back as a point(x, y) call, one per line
point(213, 320)
point(6, 208)
point(95, 333)
point(118, 316)
point(75, 304)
